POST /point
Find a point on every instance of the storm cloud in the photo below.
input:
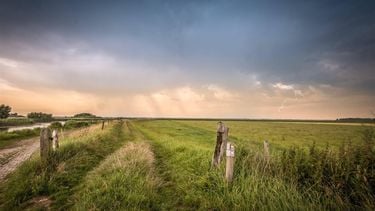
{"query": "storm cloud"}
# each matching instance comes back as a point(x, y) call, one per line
point(309, 56)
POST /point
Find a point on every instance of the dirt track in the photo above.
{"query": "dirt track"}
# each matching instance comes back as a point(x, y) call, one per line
point(11, 158)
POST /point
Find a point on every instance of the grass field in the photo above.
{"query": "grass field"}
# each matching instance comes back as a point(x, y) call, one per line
point(15, 121)
point(165, 165)
point(287, 134)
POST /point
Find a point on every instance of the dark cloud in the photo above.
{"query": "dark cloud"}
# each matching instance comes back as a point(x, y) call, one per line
point(295, 42)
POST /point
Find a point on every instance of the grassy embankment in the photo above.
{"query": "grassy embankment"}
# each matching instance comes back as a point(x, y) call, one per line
point(57, 181)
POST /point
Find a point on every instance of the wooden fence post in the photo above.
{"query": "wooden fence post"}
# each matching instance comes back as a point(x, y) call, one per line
point(266, 146)
point(224, 144)
point(102, 124)
point(45, 143)
point(230, 162)
point(55, 140)
point(219, 140)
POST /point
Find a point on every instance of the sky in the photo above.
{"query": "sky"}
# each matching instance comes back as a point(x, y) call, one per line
point(216, 59)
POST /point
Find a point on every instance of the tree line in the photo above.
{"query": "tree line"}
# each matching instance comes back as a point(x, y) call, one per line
point(5, 112)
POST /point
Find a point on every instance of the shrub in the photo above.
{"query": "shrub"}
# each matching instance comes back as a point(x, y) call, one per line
point(56, 125)
point(39, 116)
point(84, 115)
point(4, 111)
point(70, 124)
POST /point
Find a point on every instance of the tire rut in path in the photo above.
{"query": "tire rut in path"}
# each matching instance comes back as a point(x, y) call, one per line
point(167, 192)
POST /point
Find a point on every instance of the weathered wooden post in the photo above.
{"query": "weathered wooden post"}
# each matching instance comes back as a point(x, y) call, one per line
point(45, 143)
point(266, 146)
point(224, 144)
point(219, 141)
point(230, 162)
point(55, 140)
point(102, 124)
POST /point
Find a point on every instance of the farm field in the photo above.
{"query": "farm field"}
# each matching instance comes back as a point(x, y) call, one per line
point(166, 165)
point(287, 134)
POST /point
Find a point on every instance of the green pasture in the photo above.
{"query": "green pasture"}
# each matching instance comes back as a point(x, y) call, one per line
point(166, 165)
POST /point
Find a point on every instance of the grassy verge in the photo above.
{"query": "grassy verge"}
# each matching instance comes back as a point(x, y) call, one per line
point(57, 181)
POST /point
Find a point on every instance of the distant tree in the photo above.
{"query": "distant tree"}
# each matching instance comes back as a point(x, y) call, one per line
point(4, 111)
point(15, 115)
point(360, 120)
point(84, 115)
point(39, 116)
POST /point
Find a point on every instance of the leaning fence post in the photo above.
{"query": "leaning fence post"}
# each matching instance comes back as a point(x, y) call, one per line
point(266, 146)
point(219, 140)
point(55, 140)
point(224, 143)
point(230, 162)
point(102, 124)
point(45, 143)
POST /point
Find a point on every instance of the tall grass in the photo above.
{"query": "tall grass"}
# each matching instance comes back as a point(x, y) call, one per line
point(343, 178)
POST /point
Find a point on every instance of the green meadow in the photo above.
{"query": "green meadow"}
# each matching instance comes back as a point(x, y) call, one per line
point(166, 165)
point(289, 134)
